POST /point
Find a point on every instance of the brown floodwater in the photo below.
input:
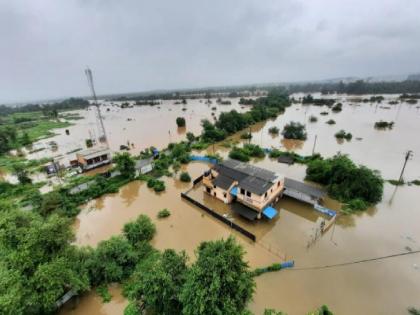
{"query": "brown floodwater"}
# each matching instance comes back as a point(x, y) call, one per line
point(378, 287)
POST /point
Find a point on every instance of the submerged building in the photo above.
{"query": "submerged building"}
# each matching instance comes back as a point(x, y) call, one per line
point(93, 157)
point(251, 190)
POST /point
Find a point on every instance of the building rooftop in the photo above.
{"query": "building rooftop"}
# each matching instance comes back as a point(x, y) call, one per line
point(251, 178)
point(94, 151)
point(143, 162)
point(304, 188)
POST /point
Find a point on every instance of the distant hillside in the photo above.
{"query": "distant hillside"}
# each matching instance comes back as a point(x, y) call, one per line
point(414, 77)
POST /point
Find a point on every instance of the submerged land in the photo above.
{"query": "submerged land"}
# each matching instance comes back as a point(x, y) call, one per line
point(104, 259)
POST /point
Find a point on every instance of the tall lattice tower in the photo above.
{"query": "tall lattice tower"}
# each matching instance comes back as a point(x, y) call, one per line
point(100, 124)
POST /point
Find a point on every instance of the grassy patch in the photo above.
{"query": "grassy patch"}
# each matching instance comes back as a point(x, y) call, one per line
point(103, 292)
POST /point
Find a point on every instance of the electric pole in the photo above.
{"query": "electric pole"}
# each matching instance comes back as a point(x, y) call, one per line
point(100, 124)
point(313, 148)
point(408, 155)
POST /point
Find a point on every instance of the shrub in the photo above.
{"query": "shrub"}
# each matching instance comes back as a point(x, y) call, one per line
point(159, 186)
point(103, 292)
point(248, 150)
point(164, 213)
point(323, 113)
point(355, 205)
point(384, 124)
point(343, 135)
point(294, 130)
point(180, 121)
point(246, 135)
point(239, 154)
point(346, 181)
point(313, 119)
point(140, 230)
point(185, 177)
point(156, 184)
point(331, 122)
point(337, 108)
point(274, 130)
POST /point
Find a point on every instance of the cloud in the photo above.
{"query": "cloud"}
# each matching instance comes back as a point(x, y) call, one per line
point(145, 45)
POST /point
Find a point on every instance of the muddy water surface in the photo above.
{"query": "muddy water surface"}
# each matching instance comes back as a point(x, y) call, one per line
point(380, 287)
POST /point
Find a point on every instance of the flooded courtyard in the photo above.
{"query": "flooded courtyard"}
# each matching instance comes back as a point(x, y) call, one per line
point(379, 287)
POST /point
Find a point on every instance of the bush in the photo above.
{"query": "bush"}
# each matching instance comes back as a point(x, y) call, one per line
point(239, 154)
point(274, 130)
point(346, 181)
point(343, 135)
point(164, 213)
point(140, 230)
point(384, 124)
point(324, 113)
point(180, 121)
point(156, 184)
point(159, 186)
point(246, 135)
point(294, 130)
point(337, 108)
point(185, 177)
point(355, 205)
point(313, 119)
point(103, 292)
point(331, 122)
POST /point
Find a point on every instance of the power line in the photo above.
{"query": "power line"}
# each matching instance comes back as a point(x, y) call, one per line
point(357, 261)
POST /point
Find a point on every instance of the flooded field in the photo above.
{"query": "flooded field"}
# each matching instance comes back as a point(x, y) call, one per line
point(379, 287)
point(143, 126)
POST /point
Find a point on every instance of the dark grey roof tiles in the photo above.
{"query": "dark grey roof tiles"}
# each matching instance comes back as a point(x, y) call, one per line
point(302, 187)
point(251, 178)
point(223, 181)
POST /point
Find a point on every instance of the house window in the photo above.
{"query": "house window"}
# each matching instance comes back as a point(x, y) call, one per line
point(208, 189)
point(214, 194)
point(224, 195)
point(242, 191)
point(278, 184)
point(248, 194)
point(265, 195)
point(214, 186)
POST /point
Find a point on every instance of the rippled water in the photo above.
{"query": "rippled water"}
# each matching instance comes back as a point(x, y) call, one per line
point(392, 226)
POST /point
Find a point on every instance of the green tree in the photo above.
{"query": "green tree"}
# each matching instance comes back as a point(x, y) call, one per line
point(190, 137)
point(180, 121)
point(185, 177)
point(294, 130)
point(219, 282)
point(22, 174)
point(112, 261)
point(156, 286)
point(140, 230)
point(125, 164)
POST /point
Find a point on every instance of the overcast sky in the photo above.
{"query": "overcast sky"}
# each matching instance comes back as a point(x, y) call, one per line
point(135, 45)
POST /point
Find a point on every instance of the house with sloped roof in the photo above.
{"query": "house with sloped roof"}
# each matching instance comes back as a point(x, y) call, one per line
point(250, 189)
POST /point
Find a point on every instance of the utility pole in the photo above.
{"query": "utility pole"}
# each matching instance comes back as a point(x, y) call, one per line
point(408, 155)
point(313, 148)
point(100, 124)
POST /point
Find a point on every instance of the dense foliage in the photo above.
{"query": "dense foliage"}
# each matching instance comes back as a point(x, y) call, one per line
point(294, 130)
point(345, 180)
point(342, 134)
point(384, 124)
point(246, 152)
point(219, 282)
point(185, 177)
point(230, 122)
point(180, 121)
point(358, 87)
point(125, 164)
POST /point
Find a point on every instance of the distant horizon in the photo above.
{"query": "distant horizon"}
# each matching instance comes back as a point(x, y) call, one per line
point(161, 90)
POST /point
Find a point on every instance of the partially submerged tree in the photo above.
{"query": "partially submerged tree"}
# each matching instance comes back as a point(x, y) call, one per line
point(180, 121)
point(125, 164)
point(294, 130)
